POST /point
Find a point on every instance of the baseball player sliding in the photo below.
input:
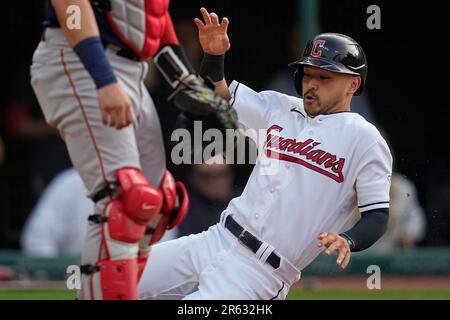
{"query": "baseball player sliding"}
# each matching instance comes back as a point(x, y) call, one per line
point(330, 161)
point(89, 83)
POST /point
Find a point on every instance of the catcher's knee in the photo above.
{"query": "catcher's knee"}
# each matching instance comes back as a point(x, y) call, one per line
point(141, 201)
point(136, 202)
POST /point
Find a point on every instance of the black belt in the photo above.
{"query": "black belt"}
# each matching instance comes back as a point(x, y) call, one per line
point(249, 240)
point(123, 52)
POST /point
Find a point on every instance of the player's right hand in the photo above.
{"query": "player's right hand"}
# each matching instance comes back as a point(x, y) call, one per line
point(115, 106)
point(212, 34)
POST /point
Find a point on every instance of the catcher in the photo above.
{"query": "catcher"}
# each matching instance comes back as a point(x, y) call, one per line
point(329, 162)
point(89, 83)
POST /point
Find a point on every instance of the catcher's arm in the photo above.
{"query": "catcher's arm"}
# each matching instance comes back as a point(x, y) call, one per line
point(215, 43)
point(88, 26)
point(114, 102)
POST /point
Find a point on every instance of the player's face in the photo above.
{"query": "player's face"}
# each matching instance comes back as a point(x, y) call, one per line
point(325, 91)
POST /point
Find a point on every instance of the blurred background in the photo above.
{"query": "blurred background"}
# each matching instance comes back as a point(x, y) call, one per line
point(42, 204)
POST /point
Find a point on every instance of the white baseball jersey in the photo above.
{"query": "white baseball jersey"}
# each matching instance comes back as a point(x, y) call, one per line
point(322, 168)
point(310, 176)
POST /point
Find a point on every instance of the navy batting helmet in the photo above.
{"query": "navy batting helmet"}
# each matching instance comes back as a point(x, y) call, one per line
point(333, 52)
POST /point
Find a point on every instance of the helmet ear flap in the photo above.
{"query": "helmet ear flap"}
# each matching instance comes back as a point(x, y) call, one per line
point(298, 76)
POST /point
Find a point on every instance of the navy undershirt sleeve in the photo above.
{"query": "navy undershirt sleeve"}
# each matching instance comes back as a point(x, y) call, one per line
point(368, 229)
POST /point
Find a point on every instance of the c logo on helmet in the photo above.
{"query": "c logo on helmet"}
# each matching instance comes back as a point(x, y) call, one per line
point(317, 48)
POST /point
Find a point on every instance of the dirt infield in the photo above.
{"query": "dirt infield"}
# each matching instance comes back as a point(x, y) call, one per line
point(32, 284)
point(388, 282)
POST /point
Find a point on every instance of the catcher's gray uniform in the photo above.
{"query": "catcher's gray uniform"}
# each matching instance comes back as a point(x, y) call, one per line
point(68, 97)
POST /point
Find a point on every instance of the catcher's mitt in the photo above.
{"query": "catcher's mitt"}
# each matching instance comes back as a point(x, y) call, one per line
point(199, 100)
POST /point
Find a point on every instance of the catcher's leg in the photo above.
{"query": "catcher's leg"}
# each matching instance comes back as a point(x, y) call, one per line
point(122, 224)
point(69, 101)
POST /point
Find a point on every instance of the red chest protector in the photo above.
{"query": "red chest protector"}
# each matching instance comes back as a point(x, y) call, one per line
point(140, 24)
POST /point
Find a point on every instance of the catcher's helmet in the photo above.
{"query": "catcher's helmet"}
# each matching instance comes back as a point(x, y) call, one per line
point(333, 52)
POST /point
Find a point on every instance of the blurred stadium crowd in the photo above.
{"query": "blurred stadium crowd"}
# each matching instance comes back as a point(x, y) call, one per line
point(42, 205)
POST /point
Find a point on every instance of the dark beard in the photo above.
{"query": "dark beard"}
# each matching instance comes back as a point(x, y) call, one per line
point(331, 106)
point(324, 110)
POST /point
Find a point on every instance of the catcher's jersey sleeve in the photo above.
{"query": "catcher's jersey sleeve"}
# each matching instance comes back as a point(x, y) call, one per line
point(256, 109)
point(374, 175)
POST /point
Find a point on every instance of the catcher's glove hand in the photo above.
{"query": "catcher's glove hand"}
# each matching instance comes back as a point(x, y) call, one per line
point(199, 100)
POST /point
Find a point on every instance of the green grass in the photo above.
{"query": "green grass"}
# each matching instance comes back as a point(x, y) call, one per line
point(387, 294)
point(37, 294)
point(295, 294)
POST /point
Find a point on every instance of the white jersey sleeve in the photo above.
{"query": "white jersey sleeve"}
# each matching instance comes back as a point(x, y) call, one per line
point(255, 109)
point(250, 106)
point(373, 179)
